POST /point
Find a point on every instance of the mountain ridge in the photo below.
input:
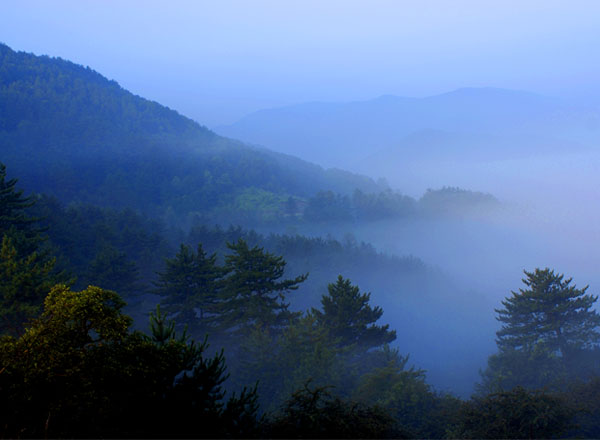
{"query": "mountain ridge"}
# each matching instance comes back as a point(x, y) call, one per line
point(68, 131)
point(343, 134)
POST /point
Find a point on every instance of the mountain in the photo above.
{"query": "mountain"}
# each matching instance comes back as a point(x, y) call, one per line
point(68, 131)
point(344, 134)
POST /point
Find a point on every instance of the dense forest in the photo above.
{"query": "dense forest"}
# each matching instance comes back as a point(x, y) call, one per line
point(225, 356)
point(140, 295)
point(69, 132)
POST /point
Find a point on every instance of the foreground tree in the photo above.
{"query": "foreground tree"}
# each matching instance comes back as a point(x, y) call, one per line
point(315, 413)
point(404, 393)
point(304, 351)
point(547, 328)
point(551, 315)
point(77, 371)
point(514, 414)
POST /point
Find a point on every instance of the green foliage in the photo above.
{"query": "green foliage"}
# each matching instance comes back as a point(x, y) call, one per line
point(112, 269)
point(315, 413)
point(514, 414)
point(551, 315)
point(584, 397)
point(119, 249)
point(333, 347)
point(78, 372)
point(281, 363)
point(384, 205)
point(190, 287)
point(24, 282)
point(407, 397)
point(254, 293)
point(324, 259)
point(326, 206)
point(72, 133)
point(349, 318)
point(453, 201)
point(14, 221)
point(547, 330)
point(26, 271)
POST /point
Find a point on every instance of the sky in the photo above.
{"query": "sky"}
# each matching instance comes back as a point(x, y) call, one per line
point(217, 61)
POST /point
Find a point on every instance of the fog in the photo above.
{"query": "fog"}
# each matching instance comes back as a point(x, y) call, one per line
point(537, 155)
point(217, 61)
point(500, 98)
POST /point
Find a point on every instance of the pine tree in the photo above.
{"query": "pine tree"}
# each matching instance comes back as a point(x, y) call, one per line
point(14, 222)
point(24, 282)
point(114, 271)
point(190, 288)
point(550, 315)
point(26, 271)
point(350, 319)
point(254, 294)
point(549, 333)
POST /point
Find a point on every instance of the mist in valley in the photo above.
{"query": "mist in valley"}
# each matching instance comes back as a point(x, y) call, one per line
point(247, 175)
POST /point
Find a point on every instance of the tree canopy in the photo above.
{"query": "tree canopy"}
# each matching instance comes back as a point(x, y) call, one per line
point(551, 315)
point(78, 371)
point(350, 319)
point(549, 335)
point(26, 271)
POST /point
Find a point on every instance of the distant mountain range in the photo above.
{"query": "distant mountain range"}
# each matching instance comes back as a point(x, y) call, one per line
point(68, 131)
point(469, 123)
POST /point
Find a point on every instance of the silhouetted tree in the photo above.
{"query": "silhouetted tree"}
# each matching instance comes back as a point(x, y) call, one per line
point(111, 268)
point(350, 319)
point(14, 221)
point(514, 414)
point(546, 328)
point(26, 271)
point(190, 288)
point(77, 371)
point(315, 413)
point(255, 293)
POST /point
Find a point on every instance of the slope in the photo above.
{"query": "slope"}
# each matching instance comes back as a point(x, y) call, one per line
point(68, 131)
point(343, 134)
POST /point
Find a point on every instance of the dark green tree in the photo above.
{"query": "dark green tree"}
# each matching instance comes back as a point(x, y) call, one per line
point(14, 221)
point(190, 288)
point(547, 328)
point(551, 315)
point(303, 350)
point(514, 414)
point(26, 271)
point(254, 295)
point(584, 397)
point(404, 393)
point(316, 413)
point(350, 319)
point(326, 206)
point(111, 268)
point(24, 282)
point(78, 371)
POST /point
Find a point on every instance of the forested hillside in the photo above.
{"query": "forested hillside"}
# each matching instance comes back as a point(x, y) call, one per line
point(67, 130)
point(71, 366)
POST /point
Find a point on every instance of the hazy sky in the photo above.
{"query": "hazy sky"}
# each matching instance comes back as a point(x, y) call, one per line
point(216, 61)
